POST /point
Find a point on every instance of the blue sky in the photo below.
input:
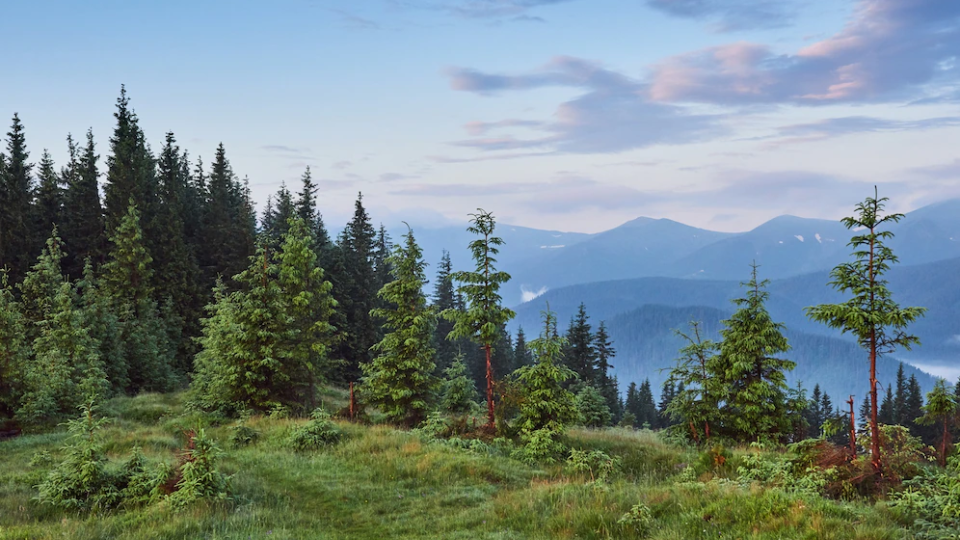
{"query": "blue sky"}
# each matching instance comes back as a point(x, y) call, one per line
point(569, 114)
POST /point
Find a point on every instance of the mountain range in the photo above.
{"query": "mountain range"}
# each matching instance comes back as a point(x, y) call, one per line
point(649, 276)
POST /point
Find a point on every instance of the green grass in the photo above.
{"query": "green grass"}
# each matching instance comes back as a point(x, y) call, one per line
point(381, 483)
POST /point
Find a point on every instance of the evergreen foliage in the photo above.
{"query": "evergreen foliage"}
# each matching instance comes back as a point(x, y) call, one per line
point(459, 393)
point(751, 378)
point(13, 349)
point(400, 379)
point(697, 405)
point(592, 408)
point(48, 204)
point(606, 383)
point(227, 225)
point(41, 285)
point(83, 227)
point(484, 317)
point(444, 298)
point(646, 412)
point(871, 315)
point(521, 353)
point(941, 408)
point(18, 241)
point(104, 327)
point(580, 354)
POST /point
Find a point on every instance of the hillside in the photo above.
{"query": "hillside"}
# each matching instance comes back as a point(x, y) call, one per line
point(382, 483)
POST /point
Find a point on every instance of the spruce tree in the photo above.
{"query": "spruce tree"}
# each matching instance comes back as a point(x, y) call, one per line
point(483, 320)
point(815, 414)
point(126, 281)
point(871, 315)
point(667, 393)
point(276, 217)
point(104, 326)
point(914, 409)
point(17, 236)
point(400, 379)
point(580, 354)
point(41, 285)
point(355, 291)
point(899, 405)
point(459, 395)
point(752, 376)
point(632, 404)
point(941, 408)
point(521, 353)
point(65, 362)
point(697, 404)
point(13, 349)
point(83, 232)
point(444, 298)
point(48, 206)
point(647, 417)
point(226, 236)
point(592, 407)
point(307, 296)
point(606, 383)
point(886, 413)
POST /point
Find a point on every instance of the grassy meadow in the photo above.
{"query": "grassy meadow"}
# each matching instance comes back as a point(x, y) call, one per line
point(381, 483)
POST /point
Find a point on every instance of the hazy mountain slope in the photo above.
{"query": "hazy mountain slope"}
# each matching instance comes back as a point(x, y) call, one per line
point(646, 344)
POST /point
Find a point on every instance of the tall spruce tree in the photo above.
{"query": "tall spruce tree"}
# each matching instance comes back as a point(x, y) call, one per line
point(899, 405)
point(941, 408)
point(400, 378)
point(127, 279)
point(226, 233)
point(871, 315)
point(752, 376)
point(444, 298)
point(355, 291)
point(48, 205)
point(83, 227)
point(914, 409)
point(886, 414)
point(17, 237)
point(103, 325)
point(521, 353)
point(483, 320)
point(41, 285)
point(310, 305)
point(647, 410)
point(580, 354)
point(606, 383)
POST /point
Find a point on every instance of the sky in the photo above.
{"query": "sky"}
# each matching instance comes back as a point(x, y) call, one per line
point(575, 115)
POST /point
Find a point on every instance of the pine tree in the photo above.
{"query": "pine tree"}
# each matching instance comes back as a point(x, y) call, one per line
point(130, 169)
point(310, 305)
point(752, 377)
point(886, 414)
point(13, 349)
point(914, 409)
point(815, 414)
point(484, 319)
point(606, 383)
point(104, 326)
point(83, 232)
point(941, 408)
point(632, 404)
point(667, 393)
point(864, 414)
point(580, 354)
point(65, 362)
point(697, 404)
point(899, 405)
point(878, 323)
point(226, 233)
point(16, 193)
point(355, 291)
point(400, 379)
point(276, 217)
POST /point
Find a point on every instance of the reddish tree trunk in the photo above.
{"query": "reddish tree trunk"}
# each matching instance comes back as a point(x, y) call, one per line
point(943, 444)
point(490, 419)
point(706, 426)
point(352, 402)
point(853, 430)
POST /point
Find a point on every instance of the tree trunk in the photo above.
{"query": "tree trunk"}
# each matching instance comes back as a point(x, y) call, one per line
point(853, 431)
point(490, 419)
point(943, 444)
point(874, 428)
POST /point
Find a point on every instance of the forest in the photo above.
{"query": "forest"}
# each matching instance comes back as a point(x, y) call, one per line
point(150, 317)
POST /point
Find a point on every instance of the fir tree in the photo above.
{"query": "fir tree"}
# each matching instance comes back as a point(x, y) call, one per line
point(276, 217)
point(886, 414)
point(878, 323)
point(400, 379)
point(104, 326)
point(864, 414)
point(815, 414)
point(226, 232)
point(16, 192)
point(899, 405)
point(914, 409)
point(632, 404)
point(41, 285)
point(752, 377)
point(521, 353)
point(667, 393)
point(483, 320)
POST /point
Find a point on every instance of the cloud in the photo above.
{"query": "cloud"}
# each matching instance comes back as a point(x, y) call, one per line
point(340, 165)
point(847, 125)
point(393, 177)
point(487, 9)
point(289, 152)
point(613, 115)
point(527, 295)
point(947, 171)
point(890, 50)
point(352, 20)
point(730, 15)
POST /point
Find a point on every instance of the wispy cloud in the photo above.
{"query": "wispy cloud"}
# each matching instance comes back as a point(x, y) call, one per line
point(352, 20)
point(393, 177)
point(891, 50)
point(848, 125)
point(487, 9)
point(731, 15)
point(613, 115)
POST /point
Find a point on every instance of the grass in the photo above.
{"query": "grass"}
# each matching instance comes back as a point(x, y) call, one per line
point(381, 483)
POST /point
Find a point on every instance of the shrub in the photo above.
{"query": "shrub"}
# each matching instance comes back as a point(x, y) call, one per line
point(198, 476)
point(317, 433)
point(597, 464)
point(243, 435)
point(639, 518)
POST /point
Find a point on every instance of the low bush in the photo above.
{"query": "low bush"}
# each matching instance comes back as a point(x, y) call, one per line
point(317, 433)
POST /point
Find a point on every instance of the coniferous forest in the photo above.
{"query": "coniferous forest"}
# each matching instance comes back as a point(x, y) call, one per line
point(164, 346)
